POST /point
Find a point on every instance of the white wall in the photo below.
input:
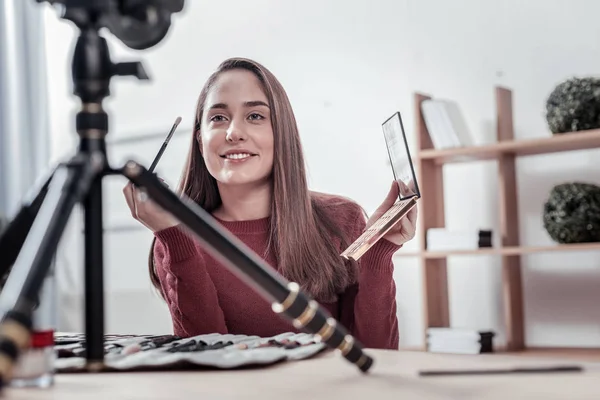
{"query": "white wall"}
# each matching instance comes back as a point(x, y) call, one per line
point(347, 65)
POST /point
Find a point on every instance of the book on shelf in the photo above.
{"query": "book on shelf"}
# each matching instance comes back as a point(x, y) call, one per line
point(441, 239)
point(459, 341)
point(445, 124)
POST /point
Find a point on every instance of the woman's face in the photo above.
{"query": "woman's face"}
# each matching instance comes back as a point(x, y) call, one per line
point(236, 132)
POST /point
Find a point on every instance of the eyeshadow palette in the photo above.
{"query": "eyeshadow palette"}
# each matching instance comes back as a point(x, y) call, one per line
point(169, 352)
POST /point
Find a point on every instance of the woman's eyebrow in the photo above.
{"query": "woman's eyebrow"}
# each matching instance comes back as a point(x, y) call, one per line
point(255, 103)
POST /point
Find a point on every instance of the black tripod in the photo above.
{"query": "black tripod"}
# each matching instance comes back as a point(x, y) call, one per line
point(31, 239)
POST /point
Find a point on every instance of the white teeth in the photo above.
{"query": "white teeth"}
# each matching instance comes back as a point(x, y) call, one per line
point(237, 156)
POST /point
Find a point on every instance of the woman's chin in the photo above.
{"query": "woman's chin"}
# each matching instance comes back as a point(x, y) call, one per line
point(241, 180)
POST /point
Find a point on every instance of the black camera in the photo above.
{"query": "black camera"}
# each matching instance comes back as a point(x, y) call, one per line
point(139, 24)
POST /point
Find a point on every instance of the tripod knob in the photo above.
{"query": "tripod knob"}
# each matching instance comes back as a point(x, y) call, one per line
point(131, 69)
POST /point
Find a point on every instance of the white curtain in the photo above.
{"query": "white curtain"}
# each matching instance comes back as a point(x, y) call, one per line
point(24, 128)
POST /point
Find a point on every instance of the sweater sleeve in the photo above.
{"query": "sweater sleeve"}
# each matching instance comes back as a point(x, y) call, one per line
point(375, 322)
point(186, 284)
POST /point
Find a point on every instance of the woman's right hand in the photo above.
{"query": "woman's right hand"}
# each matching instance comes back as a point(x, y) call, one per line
point(146, 211)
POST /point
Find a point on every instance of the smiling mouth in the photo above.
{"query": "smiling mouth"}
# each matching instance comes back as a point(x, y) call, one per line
point(237, 156)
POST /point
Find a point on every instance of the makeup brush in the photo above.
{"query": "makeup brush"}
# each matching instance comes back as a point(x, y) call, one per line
point(164, 145)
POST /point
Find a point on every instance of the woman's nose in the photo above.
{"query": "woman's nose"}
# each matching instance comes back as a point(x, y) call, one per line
point(234, 133)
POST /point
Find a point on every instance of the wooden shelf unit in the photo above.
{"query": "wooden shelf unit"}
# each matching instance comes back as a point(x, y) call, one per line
point(429, 164)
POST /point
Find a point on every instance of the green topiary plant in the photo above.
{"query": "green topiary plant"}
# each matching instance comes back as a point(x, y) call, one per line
point(574, 105)
point(572, 213)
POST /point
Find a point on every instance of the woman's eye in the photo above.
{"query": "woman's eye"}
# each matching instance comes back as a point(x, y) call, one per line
point(217, 118)
point(255, 116)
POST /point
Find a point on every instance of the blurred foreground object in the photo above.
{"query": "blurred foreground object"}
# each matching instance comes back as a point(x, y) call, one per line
point(138, 24)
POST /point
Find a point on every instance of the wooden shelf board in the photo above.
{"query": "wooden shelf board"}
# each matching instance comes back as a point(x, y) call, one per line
point(572, 141)
point(505, 251)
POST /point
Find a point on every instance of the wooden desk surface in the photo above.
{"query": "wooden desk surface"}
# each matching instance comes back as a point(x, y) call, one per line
point(329, 376)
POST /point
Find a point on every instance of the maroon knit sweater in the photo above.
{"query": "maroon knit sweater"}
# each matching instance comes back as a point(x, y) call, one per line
point(205, 297)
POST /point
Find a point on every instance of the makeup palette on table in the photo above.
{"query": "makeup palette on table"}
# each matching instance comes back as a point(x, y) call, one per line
point(169, 352)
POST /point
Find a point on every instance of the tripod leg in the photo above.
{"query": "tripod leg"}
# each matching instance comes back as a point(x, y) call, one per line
point(94, 276)
point(19, 296)
point(13, 236)
point(287, 298)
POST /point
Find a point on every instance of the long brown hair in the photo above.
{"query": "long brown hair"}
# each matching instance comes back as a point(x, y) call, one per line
point(303, 235)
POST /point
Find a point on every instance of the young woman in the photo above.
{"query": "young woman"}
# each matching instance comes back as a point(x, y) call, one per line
point(246, 167)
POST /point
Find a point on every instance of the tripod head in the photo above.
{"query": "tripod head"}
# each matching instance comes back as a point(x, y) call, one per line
point(139, 24)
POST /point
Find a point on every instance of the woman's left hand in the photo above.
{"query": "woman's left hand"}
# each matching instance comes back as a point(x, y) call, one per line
point(405, 229)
